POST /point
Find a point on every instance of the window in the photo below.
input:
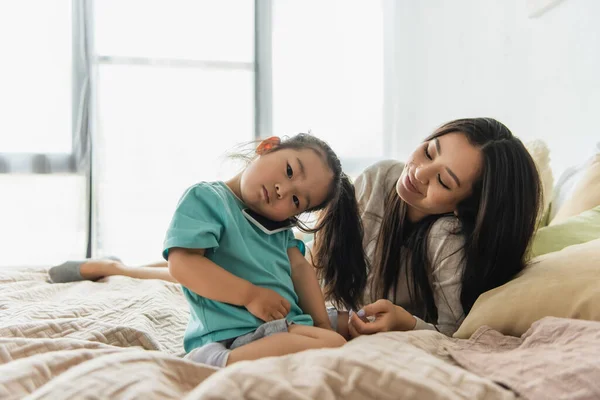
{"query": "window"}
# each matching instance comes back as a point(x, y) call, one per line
point(167, 89)
point(175, 93)
point(43, 215)
point(35, 37)
point(328, 75)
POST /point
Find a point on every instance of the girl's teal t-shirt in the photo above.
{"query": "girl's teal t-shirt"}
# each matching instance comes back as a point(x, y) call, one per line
point(209, 216)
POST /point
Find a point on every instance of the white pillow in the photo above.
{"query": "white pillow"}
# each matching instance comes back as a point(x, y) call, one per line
point(566, 183)
point(541, 156)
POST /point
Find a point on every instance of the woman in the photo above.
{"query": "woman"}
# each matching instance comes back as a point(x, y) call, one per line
point(453, 222)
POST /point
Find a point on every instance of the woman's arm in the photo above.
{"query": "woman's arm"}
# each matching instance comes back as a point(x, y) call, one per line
point(446, 257)
point(207, 279)
point(308, 289)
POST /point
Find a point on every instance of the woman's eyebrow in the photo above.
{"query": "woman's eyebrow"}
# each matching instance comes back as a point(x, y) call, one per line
point(453, 175)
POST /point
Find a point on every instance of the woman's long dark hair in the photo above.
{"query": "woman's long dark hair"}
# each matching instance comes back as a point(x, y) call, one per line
point(497, 222)
point(338, 252)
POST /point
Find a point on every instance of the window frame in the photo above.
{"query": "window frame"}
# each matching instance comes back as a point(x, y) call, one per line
point(55, 162)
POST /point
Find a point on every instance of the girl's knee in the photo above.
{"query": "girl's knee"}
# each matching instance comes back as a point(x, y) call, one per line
point(325, 337)
point(339, 340)
point(332, 338)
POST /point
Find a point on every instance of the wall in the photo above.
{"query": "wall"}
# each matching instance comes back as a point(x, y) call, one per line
point(539, 76)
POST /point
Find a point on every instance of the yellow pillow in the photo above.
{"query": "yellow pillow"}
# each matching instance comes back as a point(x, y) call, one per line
point(561, 284)
point(572, 230)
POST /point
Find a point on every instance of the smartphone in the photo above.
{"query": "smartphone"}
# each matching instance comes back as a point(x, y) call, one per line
point(266, 225)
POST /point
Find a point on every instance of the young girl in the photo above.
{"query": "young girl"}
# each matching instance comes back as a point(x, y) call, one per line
point(245, 283)
point(452, 222)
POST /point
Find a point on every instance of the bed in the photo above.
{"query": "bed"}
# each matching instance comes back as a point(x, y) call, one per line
point(122, 338)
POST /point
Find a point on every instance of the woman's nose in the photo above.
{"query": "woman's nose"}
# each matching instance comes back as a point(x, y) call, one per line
point(421, 173)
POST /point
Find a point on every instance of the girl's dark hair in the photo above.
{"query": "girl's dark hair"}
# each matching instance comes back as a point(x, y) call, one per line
point(497, 222)
point(338, 252)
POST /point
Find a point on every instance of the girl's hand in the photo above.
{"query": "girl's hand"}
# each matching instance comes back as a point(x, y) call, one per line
point(267, 304)
point(388, 317)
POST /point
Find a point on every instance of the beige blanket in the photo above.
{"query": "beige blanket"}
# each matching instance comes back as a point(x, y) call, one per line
point(122, 338)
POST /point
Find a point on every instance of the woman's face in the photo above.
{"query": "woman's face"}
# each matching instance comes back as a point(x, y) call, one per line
point(438, 175)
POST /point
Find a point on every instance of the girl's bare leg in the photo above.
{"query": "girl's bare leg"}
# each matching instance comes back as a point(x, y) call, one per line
point(97, 269)
point(160, 264)
point(298, 338)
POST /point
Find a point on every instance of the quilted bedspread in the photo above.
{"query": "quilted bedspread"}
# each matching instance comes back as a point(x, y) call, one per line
point(122, 338)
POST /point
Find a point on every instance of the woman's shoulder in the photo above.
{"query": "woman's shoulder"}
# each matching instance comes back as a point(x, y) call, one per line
point(382, 168)
point(378, 178)
point(445, 226)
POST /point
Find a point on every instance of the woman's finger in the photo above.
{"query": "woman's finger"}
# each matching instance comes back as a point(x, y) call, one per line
point(380, 306)
point(352, 331)
point(367, 328)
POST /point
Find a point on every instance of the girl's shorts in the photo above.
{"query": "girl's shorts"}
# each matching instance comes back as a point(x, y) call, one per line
point(271, 328)
point(266, 329)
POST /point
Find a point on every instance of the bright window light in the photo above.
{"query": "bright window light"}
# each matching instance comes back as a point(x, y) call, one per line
point(35, 83)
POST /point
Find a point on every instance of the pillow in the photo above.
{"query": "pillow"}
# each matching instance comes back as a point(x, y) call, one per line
point(562, 284)
point(584, 193)
point(578, 220)
point(541, 156)
point(572, 230)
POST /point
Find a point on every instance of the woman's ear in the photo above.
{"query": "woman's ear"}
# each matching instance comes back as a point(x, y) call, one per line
point(267, 145)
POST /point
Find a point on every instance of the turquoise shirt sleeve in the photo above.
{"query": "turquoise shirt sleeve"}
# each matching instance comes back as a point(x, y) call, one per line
point(198, 220)
point(293, 242)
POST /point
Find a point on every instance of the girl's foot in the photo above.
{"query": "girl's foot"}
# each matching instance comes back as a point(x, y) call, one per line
point(90, 269)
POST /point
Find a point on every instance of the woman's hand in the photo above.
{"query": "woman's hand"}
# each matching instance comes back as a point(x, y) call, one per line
point(267, 304)
point(388, 317)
